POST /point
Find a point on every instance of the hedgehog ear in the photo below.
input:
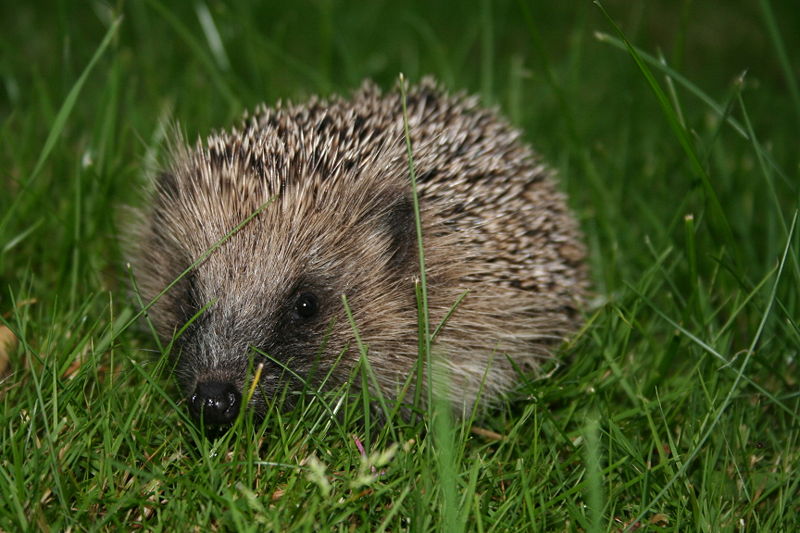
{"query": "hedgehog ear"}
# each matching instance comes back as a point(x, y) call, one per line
point(399, 224)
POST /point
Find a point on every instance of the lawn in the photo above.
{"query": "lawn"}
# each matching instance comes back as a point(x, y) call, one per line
point(674, 129)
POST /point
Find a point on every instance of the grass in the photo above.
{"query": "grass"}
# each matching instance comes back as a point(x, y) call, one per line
point(674, 130)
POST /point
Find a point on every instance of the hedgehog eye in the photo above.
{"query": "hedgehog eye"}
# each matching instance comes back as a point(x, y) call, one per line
point(307, 305)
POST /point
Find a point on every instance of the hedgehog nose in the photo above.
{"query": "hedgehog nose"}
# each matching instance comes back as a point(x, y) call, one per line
point(215, 403)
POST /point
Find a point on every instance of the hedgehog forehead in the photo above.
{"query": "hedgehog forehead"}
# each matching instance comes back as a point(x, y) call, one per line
point(295, 239)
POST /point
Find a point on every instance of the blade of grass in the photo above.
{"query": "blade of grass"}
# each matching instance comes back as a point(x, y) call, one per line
point(366, 367)
point(440, 413)
point(718, 109)
point(396, 507)
point(197, 49)
point(717, 219)
point(212, 36)
point(762, 165)
point(63, 114)
point(423, 284)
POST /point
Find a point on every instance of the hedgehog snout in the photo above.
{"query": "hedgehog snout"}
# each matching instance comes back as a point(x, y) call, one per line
point(215, 403)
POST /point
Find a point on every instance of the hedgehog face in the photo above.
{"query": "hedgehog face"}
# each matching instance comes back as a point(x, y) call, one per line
point(270, 296)
point(220, 351)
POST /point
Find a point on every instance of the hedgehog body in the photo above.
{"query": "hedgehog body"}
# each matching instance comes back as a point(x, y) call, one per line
point(331, 179)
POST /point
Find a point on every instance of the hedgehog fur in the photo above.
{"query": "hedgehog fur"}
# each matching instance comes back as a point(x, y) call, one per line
point(332, 179)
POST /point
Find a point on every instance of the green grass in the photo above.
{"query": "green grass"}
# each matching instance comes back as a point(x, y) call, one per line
point(674, 128)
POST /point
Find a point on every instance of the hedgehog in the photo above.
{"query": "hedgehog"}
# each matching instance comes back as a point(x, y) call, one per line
point(264, 232)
